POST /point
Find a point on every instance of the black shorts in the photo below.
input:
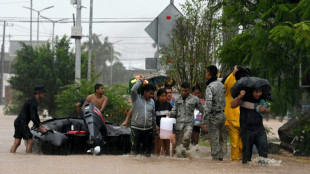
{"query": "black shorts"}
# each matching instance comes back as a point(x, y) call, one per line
point(21, 131)
point(196, 129)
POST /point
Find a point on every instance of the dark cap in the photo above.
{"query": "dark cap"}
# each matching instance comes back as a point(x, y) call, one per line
point(39, 89)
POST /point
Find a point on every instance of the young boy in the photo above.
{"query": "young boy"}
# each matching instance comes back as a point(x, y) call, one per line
point(251, 123)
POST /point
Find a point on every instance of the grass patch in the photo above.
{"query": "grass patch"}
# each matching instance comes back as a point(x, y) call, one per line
point(204, 140)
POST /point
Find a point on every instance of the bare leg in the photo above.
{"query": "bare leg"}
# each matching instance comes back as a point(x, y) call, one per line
point(15, 145)
point(166, 147)
point(195, 138)
point(173, 143)
point(157, 145)
point(29, 145)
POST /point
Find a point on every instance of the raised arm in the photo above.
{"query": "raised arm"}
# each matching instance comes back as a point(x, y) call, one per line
point(236, 102)
point(230, 81)
point(134, 89)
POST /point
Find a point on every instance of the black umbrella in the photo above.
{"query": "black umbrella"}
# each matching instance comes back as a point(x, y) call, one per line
point(157, 80)
point(249, 84)
point(160, 80)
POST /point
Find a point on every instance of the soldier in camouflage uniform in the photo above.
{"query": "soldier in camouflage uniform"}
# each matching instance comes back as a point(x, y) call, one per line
point(214, 114)
point(183, 111)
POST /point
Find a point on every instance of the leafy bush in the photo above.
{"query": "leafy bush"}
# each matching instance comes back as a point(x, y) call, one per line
point(70, 95)
point(302, 137)
point(116, 109)
point(15, 107)
point(10, 109)
point(118, 104)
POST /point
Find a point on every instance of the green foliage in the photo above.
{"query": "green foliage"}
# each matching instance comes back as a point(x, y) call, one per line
point(302, 137)
point(42, 65)
point(70, 95)
point(273, 40)
point(104, 52)
point(118, 104)
point(116, 109)
point(15, 107)
point(203, 140)
point(193, 42)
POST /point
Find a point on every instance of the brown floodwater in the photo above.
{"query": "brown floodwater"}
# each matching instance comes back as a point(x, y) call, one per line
point(200, 162)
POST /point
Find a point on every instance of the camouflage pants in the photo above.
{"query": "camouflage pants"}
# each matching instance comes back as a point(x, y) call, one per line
point(218, 139)
point(183, 133)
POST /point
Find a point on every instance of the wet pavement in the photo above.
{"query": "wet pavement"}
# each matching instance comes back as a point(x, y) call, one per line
point(21, 162)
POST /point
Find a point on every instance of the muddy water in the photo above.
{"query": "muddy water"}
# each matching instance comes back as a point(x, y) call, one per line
point(201, 162)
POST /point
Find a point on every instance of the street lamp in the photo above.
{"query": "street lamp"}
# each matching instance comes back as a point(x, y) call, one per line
point(38, 11)
point(53, 21)
point(110, 45)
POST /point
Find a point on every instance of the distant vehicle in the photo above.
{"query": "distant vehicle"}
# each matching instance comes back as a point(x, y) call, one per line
point(91, 134)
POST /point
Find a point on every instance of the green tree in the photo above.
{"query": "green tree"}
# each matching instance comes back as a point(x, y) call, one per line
point(70, 95)
point(117, 107)
point(40, 65)
point(273, 42)
point(118, 104)
point(103, 53)
point(194, 41)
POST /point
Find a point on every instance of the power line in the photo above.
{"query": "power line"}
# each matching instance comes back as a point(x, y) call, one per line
point(20, 18)
point(17, 2)
point(85, 21)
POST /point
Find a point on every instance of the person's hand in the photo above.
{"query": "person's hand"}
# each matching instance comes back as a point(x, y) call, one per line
point(168, 115)
point(157, 128)
point(262, 109)
point(204, 128)
point(42, 128)
point(242, 93)
point(125, 123)
point(145, 82)
point(235, 70)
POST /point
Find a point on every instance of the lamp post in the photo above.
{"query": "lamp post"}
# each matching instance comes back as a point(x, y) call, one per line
point(31, 23)
point(38, 11)
point(110, 45)
point(53, 21)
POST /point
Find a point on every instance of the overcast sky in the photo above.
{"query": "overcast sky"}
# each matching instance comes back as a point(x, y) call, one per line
point(132, 41)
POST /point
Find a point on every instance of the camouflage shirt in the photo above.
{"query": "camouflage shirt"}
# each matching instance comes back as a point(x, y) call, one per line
point(183, 110)
point(215, 100)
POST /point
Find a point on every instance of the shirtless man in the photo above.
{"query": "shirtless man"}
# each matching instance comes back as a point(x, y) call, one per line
point(98, 99)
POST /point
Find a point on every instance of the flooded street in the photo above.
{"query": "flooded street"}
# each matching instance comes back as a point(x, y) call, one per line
point(50, 164)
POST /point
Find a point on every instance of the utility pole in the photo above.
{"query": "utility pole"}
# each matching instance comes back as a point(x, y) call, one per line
point(31, 23)
point(38, 11)
point(2, 61)
point(52, 21)
point(90, 44)
point(78, 44)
